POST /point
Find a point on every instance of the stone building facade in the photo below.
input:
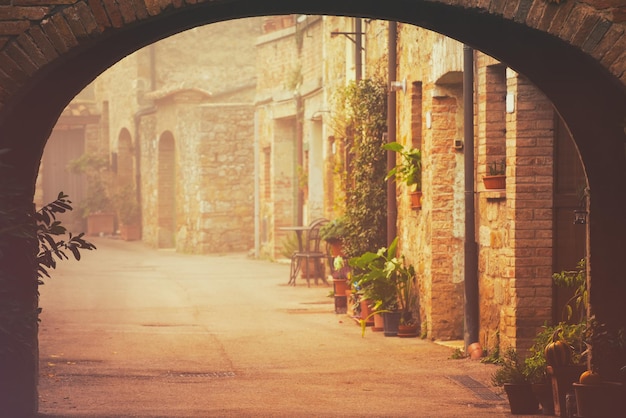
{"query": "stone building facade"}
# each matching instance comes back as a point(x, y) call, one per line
point(523, 233)
point(227, 158)
point(176, 121)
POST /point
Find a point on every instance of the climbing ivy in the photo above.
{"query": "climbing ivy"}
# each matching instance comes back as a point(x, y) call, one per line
point(365, 121)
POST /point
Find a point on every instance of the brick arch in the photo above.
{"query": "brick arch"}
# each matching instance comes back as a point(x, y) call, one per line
point(573, 51)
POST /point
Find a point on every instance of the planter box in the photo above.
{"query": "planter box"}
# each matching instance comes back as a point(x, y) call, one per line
point(100, 224)
point(495, 182)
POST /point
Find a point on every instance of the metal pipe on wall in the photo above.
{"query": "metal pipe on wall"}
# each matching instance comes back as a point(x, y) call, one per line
point(471, 248)
point(392, 207)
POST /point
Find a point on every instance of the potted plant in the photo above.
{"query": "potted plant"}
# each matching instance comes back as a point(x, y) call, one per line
point(409, 170)
point(512, 374)
point(601, 390)
point(128, 213)
point(97, 206)
point(386, 281)
point(566, 350)
point(334, 233)
point(497, 175)
point(537, 370)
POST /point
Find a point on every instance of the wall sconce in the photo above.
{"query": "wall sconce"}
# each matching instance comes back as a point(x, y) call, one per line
point(398, 85)
point(580, 217)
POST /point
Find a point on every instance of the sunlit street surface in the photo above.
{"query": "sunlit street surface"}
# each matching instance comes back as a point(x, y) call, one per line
point(130, 331)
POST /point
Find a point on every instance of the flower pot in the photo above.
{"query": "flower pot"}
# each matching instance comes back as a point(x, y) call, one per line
point(340, 287)
point(543, 393)
point(416, 199)
point(600, 401)
point(379, 324)
point(495, 182)
point(522, 400)
point(407, 331)
point(336, 248)
point(366, 311)
point(475, 351)
point(391, 322)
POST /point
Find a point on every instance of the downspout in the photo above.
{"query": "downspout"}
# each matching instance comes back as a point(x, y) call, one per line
point(358, 46)
point(299, 157)
point(471, 248)
point(257, 192)
point(392, 208)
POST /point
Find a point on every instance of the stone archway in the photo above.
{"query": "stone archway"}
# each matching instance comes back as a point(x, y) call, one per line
point(574, 52)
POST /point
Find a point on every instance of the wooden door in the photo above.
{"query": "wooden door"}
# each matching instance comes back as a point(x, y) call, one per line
point(569, 238)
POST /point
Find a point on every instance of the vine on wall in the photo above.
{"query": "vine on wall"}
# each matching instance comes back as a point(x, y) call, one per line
point(363, 121)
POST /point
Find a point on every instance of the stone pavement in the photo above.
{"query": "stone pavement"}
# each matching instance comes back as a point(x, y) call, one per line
point(131, 331)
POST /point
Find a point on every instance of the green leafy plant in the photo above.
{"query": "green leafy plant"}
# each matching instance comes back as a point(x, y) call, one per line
point(386, 280)
point(96, 170)
point(49, 228)
point(511, 369)
point(334, 230)
point(497, 168)
point(574, 279)
point(362, 107)
point(127, 207)
point(409, 170)
point(458, 354)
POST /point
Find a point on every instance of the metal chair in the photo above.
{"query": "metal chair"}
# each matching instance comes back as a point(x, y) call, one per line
point(311, 251)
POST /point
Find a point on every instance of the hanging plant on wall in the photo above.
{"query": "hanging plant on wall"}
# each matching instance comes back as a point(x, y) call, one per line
point(364, 113)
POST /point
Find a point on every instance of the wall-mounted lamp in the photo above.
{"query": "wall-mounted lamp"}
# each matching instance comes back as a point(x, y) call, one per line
point(398, 85)
point(580, 216)
point(317, 115)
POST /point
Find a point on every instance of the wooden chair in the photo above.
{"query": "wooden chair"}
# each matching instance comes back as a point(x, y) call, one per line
point(312, 250)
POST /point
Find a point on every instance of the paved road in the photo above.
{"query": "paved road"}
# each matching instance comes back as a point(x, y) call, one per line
point(133, 332)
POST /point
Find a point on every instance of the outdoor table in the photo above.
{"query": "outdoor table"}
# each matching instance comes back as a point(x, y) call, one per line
point(298, 230)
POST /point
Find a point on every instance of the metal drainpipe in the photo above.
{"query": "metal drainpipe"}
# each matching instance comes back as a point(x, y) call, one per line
point(137, 118)
point(392, 209)
point(299, 157)
point(358, 45)
point(471, 249)
point(257, 187)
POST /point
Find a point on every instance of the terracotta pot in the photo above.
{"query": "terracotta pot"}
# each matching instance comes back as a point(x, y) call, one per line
point(495, 182)
point(336, 248)
point(475, 351)
point(366, 311)
point(416, 199)
point(407, 331)
point(340, 287)
point(379, 324)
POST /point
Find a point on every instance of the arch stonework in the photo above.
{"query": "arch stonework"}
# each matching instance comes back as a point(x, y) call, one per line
point(574, 51)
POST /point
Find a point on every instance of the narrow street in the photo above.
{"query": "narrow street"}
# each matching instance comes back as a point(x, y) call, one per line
point(134, 332)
